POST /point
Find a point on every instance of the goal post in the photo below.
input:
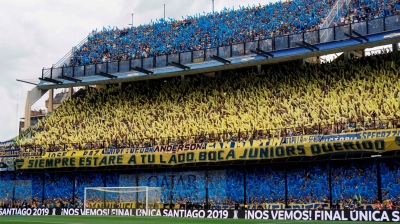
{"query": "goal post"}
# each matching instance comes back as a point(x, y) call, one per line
point(143, 197)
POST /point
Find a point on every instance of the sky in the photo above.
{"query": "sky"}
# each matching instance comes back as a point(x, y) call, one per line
point(37, 33)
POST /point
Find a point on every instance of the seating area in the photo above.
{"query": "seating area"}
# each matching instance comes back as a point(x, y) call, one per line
point(390, 179)
point(307, 184)
point(223, 28)
point(367, 10)
point(197, 32)
point(285, 100)
point(265, 184)
point(6, 187)
point(350, 180)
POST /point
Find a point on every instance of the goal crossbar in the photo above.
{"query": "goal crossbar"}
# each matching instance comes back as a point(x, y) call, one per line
point(107, 189)
point(142, 190)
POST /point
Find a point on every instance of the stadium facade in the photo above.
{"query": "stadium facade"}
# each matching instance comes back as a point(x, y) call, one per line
point(337, 153)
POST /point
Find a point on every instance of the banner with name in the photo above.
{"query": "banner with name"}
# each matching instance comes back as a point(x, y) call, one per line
point(371, 134)
point(289, 215)
point(256, 143)
point(157, 148)
point(380, 145)
point(12, 152)
point(73, 153)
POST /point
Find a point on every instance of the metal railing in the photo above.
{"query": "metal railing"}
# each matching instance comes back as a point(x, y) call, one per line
point(64, 60)
point(339, 5)
point(269, 45)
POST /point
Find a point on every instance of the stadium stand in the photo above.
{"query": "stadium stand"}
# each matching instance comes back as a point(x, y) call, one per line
point(88, 180)
point(307, 184)
point(6, 187)
point(390, 180)
point(222, 28)
point(202, 31)
point(351, 180)
point(186, 187)
point(265, 184)
point(366, 10)
point(285, 100)
point(157, 179)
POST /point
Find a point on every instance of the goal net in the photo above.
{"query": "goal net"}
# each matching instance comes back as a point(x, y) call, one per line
point(123, 197)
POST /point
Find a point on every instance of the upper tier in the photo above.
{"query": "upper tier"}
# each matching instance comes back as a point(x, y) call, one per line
point(222, 28)
point(198, 32)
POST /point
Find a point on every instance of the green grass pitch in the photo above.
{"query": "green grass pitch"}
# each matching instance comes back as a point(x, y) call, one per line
point(142, 220)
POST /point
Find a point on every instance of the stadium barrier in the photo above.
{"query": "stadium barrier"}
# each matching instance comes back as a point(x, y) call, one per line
point(130, 146)
point(127, 147)
point(277, 42)
point(313, 215)
point(264, 206)
point(248, 152)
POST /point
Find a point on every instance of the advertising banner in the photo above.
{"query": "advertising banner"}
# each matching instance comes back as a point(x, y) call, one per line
point(306, 215)
point(379, 145)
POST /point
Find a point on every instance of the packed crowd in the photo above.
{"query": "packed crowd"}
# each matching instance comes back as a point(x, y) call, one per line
point(222, 28)
point(352, 184)
point(307, 184)
point(285, 100)
point(265, 185)
point(367, 10)
point(390, 174)
point(202, 31)
point(352, 180)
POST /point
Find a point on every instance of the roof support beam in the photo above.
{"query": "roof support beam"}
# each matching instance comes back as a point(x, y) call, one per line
point(69, 78)
point(142, 70)
point(51, 80)
point(259, 53)
point(360, 36)
point(222, 60)
point(179, 65)
point(19, 80)
point(107, 75)
point(264, 52)
point(352, 37)
point(307, 46)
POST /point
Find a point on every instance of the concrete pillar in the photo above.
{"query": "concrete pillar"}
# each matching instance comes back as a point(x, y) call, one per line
point(182, 78)
point(346, 56)
point(70, 92)
point(259, 69)
point(27, 122)
point(50, 102)
point(362, 52)
point(98, 87)
point(395, 47)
